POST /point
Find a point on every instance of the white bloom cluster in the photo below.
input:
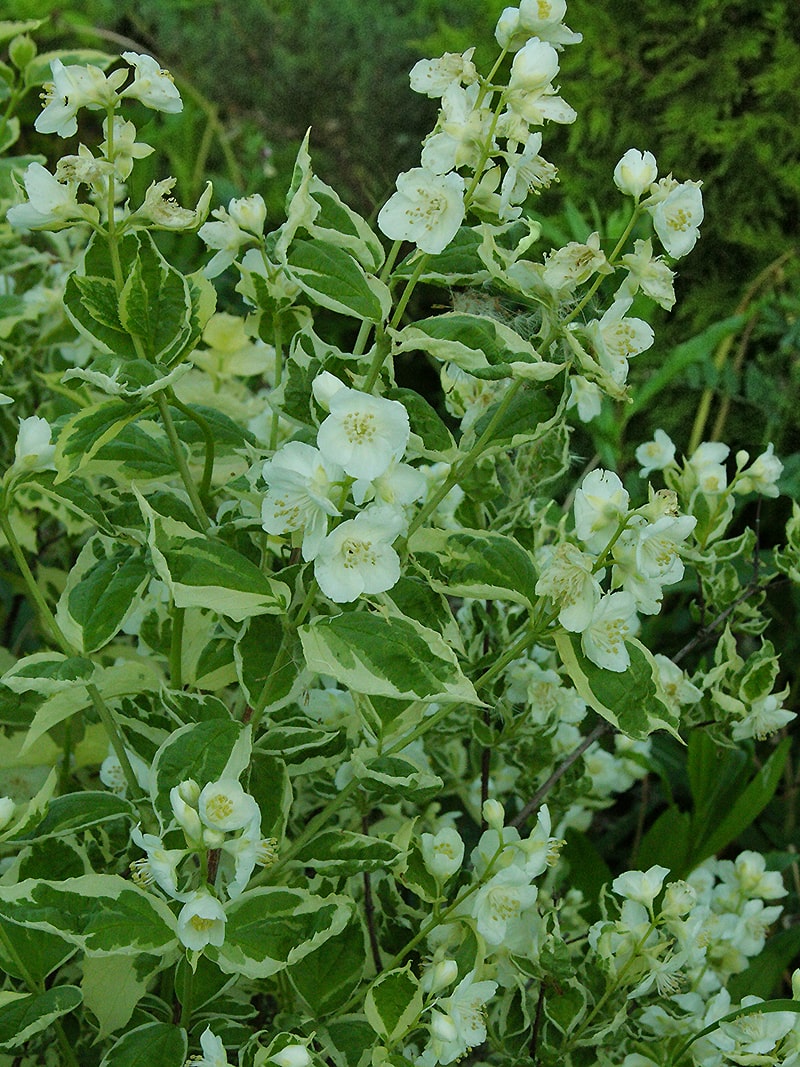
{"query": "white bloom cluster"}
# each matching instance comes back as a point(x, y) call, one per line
point(431, 200)
point(644, 546)
point(359, 448)
point(52, 199)
point(704, 930)
point(221, 823)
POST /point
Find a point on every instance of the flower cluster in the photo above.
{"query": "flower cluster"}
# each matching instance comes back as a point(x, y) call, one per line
point(642, 544)
point(359, 448)
point(221, 825)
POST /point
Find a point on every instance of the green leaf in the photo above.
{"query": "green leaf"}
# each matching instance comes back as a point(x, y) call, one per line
point(479, 345)
point(101, 914)
point(256, 652)
point(40, 952)
point(85, 434)
point(631, 700)
point(394, 657)
point(719, 824)
point(436, 439)
point(668, 842)
point(342, 853)
point(114, 985)
point(200, 751)
point(74, 812)
point(22, 1016)
point(334, 280)
point(393, 1003)
point(302, 744)
point(161, 1043)
point(204, 573)
point(459, 264)
point(72, 498)
point(763, 977)
point(102, 589)
point(392, 778)
point(477, 564)
point(327, 977)
point(531, 414)
point(273, 928)
point(48, 672)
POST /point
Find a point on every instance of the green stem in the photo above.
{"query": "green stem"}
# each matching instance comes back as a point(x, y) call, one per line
point(180, 460)
point(208, 439)
point(277, 329)
point(587, 296)
point(176, 647)
point(468, 462)
point(187, 992)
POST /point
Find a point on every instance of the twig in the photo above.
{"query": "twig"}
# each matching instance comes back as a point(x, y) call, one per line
point(601, 728)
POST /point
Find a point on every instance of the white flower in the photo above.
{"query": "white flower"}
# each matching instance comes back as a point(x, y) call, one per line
point(72, 88)
point(677, 218)
point(575, 263)
point(433, 77)
point(762, 475)
point(542, 19)
point(530, 93)
point(161, 865)
point(165, 212)
point(50, 206)
point(635, 172)
point(357, 557)
point(568, 580)
point(501, 900)
point(527, 171)
point(7, 809)
point(586, 396)
point(764, 716)
point(301, 482)
point(465, 1011)
point(649, 273)
point(676, 686)
point(151, 85)
point(603, 641)
point(240, 224)
point(124, 145)
point(213, 1052)
point(617, 339)
point(655, 455)
point(442, 853)
point(292, 1056)
point(460, 132)
point(757, 1034)
point(183, 800)
point(201, 921)
point(33, 450)
point(705, 467)
point(224, 805)
point(400, 484)
point(363, 433)
point(641, 886)
point(427, 209)
point(601, 504)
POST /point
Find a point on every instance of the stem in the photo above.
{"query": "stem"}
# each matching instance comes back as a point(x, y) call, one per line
point(186, 995)
point(176, 647)
point(208, 437)
point(180, 460)
point(278, 334)
point(467, 463)
point(587, 296)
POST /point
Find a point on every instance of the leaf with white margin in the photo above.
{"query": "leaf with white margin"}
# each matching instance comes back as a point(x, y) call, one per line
point(632, 700)
point(155, 1042)
point(102, 914)
point(114, 985)
point(202, 573)
point(477, 564)
point(272, 928)
point(394, 657)
point(393, 1003)
point(23, 1015)
point(336, 281)
point(480, 345)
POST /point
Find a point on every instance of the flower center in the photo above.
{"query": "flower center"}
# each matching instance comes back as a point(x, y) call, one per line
point(359, 427)
point(219, 806)
point(357, 553)
point(680, 220)
point(200, 923)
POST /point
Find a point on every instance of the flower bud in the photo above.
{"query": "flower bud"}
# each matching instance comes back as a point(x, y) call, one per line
point(442, 975)
point(7, 807)
point(249, 213)
point(292, 1056)
point(494, 814)
point(635, 172)
point(324, 387)
point(442, 853)
point(443, 1027)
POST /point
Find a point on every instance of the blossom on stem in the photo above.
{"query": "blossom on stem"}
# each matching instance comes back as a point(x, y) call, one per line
point(33, 450)
point(125, 146)
point(433, 77)
point(214, 1054)
point(72, 88)
point(617, 338)
point(655, 455)
point(569, 581)
point(464, 1015)
point(677, 211)
point(635, 172)
point(201, 921)
point(575, 263)
point(601, 504)
point(534, 18)
point(51, 205)
point(357, 557)
point(363, 433)
point(151, 85)
point(224, 805)
point(442, 853)
point(427, 209)
point(301, 482)
point(530, 92)
point(603, 641)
